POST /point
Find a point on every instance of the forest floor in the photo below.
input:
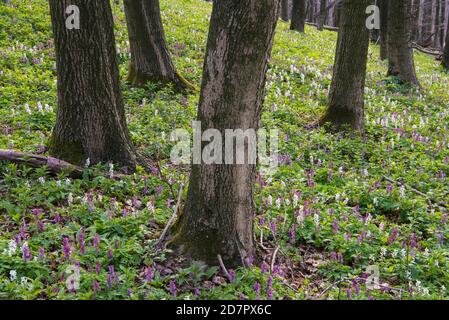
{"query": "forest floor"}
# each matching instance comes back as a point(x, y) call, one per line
point(332, 208)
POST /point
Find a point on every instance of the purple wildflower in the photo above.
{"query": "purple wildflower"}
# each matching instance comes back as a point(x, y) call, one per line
point(97, 242)
point(66, 247)
point(172, 288)
point(257, 288)
point(41, 252)
point(26, 254)
point(149, 274)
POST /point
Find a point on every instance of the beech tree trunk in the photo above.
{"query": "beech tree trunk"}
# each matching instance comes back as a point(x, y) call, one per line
point(90, 119)
point(383, 7)
point(298, 15)
point(346, 97)
point(446, 50)
point(150, 58)
point(400, 53)
point(217, 218)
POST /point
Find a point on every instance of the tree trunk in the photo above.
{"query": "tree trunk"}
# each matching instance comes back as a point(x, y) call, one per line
point(322, 14)
point(400, 53)
point(298, 15)
point(415, 20)
point(150, 58)
point(436, 28)
point(285, 12)
point(446, 50)
point(337, 12)
point(346, 97)
point(383, 6)
point(218, 215)
point(90, 120)
point(426, 24)
point(442, 25)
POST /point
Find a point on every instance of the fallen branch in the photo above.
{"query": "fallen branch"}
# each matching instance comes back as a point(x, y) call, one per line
point(53, 165)
point(434, 53)
point(325, 27)
point(172, 219)
point(428, 198)
point(273, 258)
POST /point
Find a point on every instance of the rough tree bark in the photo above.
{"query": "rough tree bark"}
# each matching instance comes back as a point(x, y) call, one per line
point(298, 15)
point(90, 119)
point(218, 215)
point(150, 58)
point(346, 97)
point(445, 59)
point(383, 6)
point(400, 53)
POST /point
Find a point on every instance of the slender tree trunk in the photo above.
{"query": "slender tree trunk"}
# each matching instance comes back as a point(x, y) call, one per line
point(150, 58)
point(285, 12)
point(442, 24)
point(426, 23)
point(298, 15)
point(218, 215)
point(90, 120)
point(322, 14)
point(346, 97)
point(436, 29)
point(383, 6)
point(337, 11)
point(415, 20)
point(446, 49)
point(400, 53)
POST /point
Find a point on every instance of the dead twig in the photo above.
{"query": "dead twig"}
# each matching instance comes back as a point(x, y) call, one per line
point(172, 219)
point(428, 198)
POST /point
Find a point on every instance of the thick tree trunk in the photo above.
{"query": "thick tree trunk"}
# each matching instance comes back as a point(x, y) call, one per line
point(90, 120)
point(346, 97)
point(285, 10)
point(298, 15)
point(150, 58)
point(383, 6)
point(446, 50)
point(218, 215)
point(400, 53)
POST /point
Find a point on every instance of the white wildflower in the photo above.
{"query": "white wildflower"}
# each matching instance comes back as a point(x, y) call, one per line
point(13, 275)
point(12, 247)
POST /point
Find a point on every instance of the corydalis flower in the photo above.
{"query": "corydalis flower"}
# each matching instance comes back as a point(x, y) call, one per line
point(112, 277)
point(81, 243)
point(66, 248)
point(97, 242)
point(149, 274)
point(172, 288)
point(26, 254)
point(257, 288)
